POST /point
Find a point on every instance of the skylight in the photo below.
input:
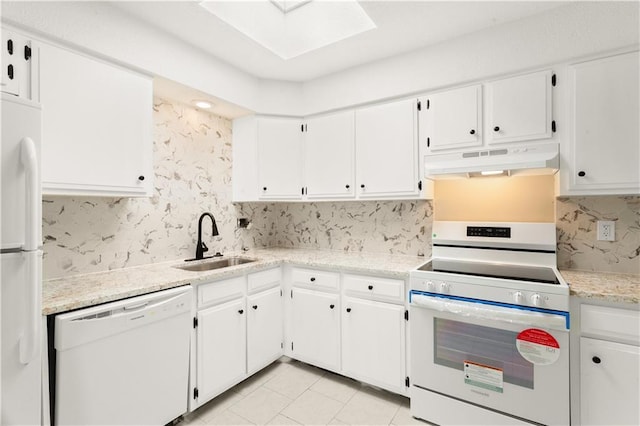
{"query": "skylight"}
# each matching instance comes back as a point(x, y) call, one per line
point(288, 5)
point(290, 28)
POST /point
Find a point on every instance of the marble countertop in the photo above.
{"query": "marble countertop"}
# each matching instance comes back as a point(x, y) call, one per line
point(78, 291)
point(603, 286)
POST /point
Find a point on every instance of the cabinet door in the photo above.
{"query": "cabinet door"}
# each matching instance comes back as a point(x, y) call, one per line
point(17, 58)
point(279, 158)
point(387, 150)
point(606, 147)
point(519, 108)
point(264, 329)
point(96, 126)
point(609, 386)
point(452, 119)
point(316, 328)
point(221, 348)
point(329, 156)
point(373, 343)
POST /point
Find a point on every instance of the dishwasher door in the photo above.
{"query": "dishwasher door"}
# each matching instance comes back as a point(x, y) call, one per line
point(125, 362)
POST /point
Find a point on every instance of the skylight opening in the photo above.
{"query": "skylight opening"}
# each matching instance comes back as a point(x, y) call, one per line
point(289, 29)
point(287, 6)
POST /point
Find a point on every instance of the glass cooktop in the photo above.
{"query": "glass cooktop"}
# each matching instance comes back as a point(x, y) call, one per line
point(539, 274)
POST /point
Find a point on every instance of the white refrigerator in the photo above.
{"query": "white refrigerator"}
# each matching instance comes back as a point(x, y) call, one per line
point(21, 266)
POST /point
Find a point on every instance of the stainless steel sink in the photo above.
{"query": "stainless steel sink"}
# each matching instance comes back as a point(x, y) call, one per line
point(215, 264)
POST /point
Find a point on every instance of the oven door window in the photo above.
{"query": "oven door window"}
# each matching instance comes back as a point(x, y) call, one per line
point(456, 342)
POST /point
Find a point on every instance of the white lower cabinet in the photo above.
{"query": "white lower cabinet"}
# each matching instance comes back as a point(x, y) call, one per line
point(238, 331)
point(316, 328)
point(609, 366)
point(609, 387)
point(264, 329)
point(221, 348)
point(373, 343)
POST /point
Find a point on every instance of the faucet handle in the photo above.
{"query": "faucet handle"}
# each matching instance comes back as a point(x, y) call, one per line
point(204, 247)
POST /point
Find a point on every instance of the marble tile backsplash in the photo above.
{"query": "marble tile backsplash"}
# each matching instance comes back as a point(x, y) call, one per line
point(578, 248)
point(394, 227)
point(192, 165)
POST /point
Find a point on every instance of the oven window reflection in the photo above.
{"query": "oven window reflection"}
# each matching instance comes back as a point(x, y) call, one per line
point(456, 342)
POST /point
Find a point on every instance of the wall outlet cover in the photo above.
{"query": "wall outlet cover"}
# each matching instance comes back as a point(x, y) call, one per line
point(606, 230)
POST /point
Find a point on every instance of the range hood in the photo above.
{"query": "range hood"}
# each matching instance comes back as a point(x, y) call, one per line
point(532, 159)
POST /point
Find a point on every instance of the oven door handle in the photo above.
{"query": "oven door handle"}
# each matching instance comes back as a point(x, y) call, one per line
point(495, 312)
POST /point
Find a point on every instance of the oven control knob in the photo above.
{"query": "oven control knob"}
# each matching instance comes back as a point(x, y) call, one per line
point(444, 288)
point(431, 287)
point(518, 297)
point(536, 299)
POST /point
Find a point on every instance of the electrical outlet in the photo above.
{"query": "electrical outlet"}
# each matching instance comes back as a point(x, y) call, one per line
point(606, 230)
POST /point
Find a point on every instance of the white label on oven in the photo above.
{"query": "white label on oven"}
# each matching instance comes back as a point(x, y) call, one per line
point(483, 376)
point(538, 347)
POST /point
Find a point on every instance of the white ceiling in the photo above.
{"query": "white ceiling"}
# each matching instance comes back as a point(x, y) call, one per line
point(401, 27)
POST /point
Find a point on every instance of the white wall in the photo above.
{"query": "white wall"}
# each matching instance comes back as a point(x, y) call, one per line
point(561, 34)
point(577, 30)
point(100, 28)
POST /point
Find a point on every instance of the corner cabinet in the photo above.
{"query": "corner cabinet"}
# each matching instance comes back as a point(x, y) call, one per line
point(387, 161)
point(279, 158)
point(96, 126)
point(373, 331)
point(267, 158)
point(315, 318)
point(603, 153)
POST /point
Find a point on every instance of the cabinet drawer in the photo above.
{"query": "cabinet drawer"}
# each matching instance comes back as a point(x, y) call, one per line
point(220, 291)
point(263, 280)
point(375, 288)
point(610, 323)
point(315, 279)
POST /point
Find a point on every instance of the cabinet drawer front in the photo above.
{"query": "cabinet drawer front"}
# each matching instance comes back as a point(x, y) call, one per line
point(374, 287)
point(610, 323)
point(315, 279)
point(263, 280)
point(220, 291)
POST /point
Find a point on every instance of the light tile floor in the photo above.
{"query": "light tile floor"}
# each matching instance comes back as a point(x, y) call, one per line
point(289, 392)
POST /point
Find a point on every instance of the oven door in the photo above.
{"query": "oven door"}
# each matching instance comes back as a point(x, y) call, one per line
point(507, 358)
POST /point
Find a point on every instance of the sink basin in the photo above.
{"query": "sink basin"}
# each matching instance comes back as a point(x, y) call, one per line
point(216, 264)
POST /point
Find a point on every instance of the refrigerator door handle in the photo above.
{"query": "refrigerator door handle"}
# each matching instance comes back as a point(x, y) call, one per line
point(29, 159)
point(30, 339)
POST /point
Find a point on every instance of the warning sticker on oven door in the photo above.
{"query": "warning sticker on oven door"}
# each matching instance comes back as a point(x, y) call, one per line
point(483, 376)
point(537, 346)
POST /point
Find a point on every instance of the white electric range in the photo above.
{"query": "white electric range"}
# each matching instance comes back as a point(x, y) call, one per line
point(490, 327)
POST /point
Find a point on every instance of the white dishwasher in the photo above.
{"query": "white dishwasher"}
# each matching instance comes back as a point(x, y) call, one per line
point(124, 362)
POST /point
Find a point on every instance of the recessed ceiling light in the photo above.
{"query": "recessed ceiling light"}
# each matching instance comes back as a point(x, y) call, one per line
point(492, 172)
point(203, 104)
point(293, 27)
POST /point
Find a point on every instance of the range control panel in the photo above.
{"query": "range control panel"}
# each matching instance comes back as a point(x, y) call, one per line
point(488, 231)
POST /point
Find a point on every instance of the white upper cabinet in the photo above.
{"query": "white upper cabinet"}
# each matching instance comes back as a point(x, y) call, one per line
point(96, 126)
point(451, 119)
point(18, 56)
point(603, 153)
point(329, 156)
point(280, 157)
point(387, 151)
point(519, 108)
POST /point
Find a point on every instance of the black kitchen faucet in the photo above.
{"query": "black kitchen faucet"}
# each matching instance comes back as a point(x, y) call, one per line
point(201, 247)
